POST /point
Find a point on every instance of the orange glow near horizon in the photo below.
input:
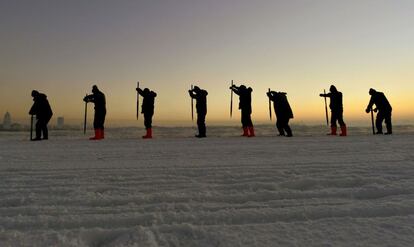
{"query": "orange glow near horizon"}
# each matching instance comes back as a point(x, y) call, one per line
point(308, 107)
point(300, 47)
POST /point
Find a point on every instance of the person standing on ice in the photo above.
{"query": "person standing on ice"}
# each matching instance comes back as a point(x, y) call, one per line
point(41, 108)
point(337, 110)
point(245, 105)
point(200, 96)
point(147, 109)
point(384, 110)
point(283, 112)
point(98, 98)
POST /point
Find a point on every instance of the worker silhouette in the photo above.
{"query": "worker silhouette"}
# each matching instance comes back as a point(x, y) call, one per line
point(383, 108)
point(200, 96)
point(283, 112)
point(41, 108)
point(245, 105)
point(147, 109)
point(98, 98)
point(337, 110)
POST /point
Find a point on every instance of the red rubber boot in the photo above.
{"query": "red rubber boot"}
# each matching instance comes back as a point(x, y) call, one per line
point(333, 131)
point(97, 135)
point(149, 134)
point(245, 131)
point(251, 131)
point(343, 131)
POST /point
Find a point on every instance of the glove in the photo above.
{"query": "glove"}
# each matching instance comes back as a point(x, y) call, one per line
point(137, 88)
point(85, 99)
point(367, 110)
point(322, 95)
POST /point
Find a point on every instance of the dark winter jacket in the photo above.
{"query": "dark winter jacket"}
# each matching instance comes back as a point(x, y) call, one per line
point(281, 105)
point(41, 107)
point(201, 100)
point(245, 98)
point(335, 101)
point(380, 101)
point(148, 101)
point(98, 98)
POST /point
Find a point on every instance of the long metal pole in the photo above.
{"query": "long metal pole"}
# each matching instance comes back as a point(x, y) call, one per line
point(31, 127)
point(326, 109)
point(192, 104)
point(270, 107)
point(85, 117)
point(137, 101)
point(372, 121)
point(231, 100)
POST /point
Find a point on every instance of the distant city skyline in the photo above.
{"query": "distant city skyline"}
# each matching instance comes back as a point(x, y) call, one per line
point(62, 48)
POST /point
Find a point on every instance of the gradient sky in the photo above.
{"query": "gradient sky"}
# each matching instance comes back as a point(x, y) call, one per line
point(63, 47)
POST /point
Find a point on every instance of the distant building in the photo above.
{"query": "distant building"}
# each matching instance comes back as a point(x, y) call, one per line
point(60, 123)
point(7, 123)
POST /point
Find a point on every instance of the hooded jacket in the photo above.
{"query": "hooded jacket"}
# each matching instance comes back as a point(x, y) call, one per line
point(281, 105)
point(201, 100)
point(148, 102)
point(380, 101)
point(41, 107)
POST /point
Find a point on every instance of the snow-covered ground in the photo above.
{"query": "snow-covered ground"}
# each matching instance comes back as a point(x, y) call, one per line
point(228, 191)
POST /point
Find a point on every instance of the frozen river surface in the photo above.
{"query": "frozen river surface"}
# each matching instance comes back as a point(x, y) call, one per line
point(264, 191)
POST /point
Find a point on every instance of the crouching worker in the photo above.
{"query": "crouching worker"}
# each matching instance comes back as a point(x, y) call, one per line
point(147, 109)
point(98, 98)
point(283, 112)
point(384, 109)
point(43, 112)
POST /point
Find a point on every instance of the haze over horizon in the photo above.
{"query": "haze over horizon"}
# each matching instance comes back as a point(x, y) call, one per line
point(62, 48)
